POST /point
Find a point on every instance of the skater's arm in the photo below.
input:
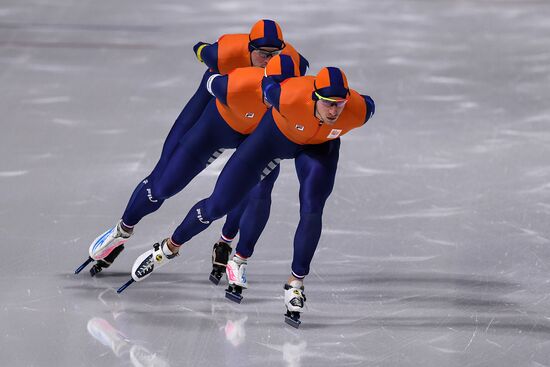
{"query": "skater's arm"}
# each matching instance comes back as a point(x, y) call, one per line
point(207, 53)
point(370, 107)
point(272, 91)
point(217, 86)
point(304, 65)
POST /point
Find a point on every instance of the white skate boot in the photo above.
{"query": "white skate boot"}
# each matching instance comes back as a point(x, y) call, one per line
point(108, 241)
point(236, 277)
point(294, 301)
point(150, 260)
point(104, 245)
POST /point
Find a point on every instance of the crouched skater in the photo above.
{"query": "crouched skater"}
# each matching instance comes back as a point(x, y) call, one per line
point(307, 113)
point(230, 52)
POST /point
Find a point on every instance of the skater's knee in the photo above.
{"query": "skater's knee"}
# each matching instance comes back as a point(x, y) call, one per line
point(314, 201)
point(161, 192)
point(213, 210)
point(311, 208)
point(260, 193)
point(215, 213)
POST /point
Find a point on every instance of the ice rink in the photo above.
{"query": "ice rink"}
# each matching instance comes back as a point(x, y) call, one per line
point(436, 242)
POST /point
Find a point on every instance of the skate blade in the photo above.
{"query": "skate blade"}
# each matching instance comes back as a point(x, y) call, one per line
point(125, 285)
point(235, 297)
point(214, 279)
point(95, 269)
point(84, 264)
point(295, 323)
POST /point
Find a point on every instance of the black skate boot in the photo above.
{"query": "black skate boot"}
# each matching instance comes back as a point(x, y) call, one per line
point(220, 256)
point(295, 299)
point(234, 293)
point(106, 262)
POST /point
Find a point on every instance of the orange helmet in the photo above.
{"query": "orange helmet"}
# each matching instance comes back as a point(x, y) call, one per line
point(266, 33)
point(281, 67)
point(330, 82)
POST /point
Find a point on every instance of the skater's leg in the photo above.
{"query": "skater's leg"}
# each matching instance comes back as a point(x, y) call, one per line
point(250, 216)
point(256, 156)
point(252, 223)
point(200, 146)
point(231, 226)
point(105, 244)
point(186, 120)
point(256, 214)
point(235, 180)
point(316, 170)
point(222, 248)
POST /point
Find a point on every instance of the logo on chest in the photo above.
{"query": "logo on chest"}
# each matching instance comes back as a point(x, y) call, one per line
point(299, 127)
point(249, 115)
point(334, 133)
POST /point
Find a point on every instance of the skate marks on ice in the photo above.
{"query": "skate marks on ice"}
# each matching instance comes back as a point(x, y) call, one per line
point(435, 312)
point(12, 173)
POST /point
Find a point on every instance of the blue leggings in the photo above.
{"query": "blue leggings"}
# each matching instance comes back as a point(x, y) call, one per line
point(316, 170)
point(253, 159)
point(186, 119)
point(199, 147)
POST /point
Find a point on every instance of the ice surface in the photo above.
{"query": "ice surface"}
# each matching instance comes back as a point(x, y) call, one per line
point(435, 250)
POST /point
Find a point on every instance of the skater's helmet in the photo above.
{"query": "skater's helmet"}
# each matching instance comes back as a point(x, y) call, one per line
point(265, 33)
point(331, 84)
point(281, 67)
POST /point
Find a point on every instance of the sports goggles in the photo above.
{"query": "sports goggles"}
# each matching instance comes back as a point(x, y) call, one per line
point(329, 102)
point(266, 54)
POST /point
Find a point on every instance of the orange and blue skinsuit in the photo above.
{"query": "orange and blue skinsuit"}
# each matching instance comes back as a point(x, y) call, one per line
point(230, 52)
point(289, 130)
point(225, 123)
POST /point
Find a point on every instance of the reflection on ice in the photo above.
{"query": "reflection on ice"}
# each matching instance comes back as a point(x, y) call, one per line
point(122, 347)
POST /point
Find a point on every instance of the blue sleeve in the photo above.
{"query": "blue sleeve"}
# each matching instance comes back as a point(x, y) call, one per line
point(304, 65)
point(208, 54)
point(218, 88)
point(370, 107)
point(271, 91)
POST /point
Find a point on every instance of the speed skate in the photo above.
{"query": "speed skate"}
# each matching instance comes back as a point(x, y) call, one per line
point(294, 301)
point(105, 248)
point(147, 262)
point(236, 277)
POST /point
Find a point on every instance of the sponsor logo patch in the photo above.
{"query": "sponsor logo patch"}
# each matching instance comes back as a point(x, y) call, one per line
point(334, 133)
point(299, 127)
point(150, 196)
point(200, 218)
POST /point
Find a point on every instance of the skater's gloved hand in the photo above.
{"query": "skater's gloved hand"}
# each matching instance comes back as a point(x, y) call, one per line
point(197, 49)
point(272, 92)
